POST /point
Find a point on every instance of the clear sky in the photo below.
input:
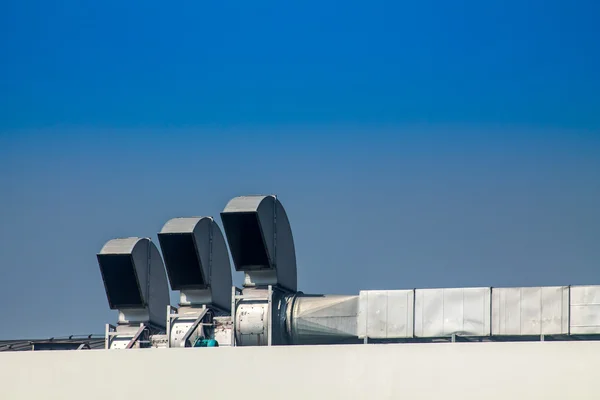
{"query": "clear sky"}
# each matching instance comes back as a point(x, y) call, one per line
point(426, 144)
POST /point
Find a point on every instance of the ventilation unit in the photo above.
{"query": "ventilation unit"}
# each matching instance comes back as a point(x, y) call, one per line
point(198, 267)
point(136, 285)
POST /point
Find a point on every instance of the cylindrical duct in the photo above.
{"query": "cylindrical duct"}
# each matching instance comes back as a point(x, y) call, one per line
point(296, 319)
point(252, 324)
point(322, 319)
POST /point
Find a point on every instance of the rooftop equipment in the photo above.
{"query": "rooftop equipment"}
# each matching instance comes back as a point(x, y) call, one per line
point(261, 242)
point(136, 285)
point(198, 267)
point(269, 310)
point(262, 246)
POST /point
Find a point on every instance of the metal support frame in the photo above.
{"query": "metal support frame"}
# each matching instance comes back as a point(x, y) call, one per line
point(109, 332)
point(194, 326)
point(136, 337)
point(270, 315)
point(173, 314)
point(236, 294)
point(170, 312)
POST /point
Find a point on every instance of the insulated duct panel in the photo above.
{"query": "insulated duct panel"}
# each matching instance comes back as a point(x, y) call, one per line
point(530, 311)
point(386, 314)
point(460, 311)
point(585, 310)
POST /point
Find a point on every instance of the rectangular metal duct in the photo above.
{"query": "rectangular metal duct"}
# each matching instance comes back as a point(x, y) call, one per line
point(585, 310)
point(261, 242)
point(530, 311)
point(386, 314)
point(461, 311)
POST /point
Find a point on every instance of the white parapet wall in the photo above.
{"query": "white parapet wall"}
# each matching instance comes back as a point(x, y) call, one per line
point(517, 370)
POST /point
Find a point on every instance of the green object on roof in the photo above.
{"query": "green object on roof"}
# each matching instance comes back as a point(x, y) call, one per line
point(206, 343)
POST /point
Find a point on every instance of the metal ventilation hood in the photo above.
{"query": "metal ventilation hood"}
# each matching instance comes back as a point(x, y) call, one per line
point(197, 261)
point(270, 311)
point(261, 242)
point(134, 280)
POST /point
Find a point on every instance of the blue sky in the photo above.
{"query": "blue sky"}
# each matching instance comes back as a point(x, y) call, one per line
point(431, 144)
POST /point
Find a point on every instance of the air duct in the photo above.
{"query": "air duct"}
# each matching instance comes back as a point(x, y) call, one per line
point(136, 285)
point(198, 267)
point(322, 319)
point(270, 311)
point(261, 242)
point(197, 261)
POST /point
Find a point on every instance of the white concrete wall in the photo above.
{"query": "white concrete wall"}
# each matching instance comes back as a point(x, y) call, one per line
point(534, 370)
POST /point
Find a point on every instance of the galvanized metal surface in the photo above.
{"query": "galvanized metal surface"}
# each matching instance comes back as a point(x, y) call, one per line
point(180, 329)
point(223, 332)
point(386, 314)
point(270, 311)
point(204, 276)
point(585, 310)
point(252, 324)
point(446, 312)
point(145, 267)
point(260, 240)
point(324, 319)
point(530, 311)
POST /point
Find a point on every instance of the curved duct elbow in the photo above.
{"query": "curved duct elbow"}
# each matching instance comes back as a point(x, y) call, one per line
point(134, 280)
point(261, 242)
point(197, 261)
